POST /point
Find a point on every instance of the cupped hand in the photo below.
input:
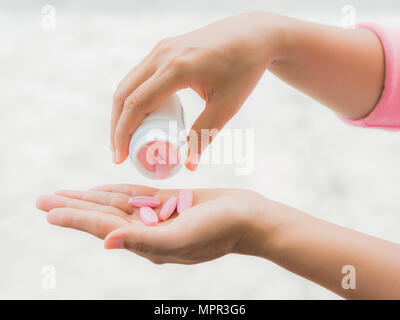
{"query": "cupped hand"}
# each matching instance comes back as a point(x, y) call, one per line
point(222, 62)
point(221, 221)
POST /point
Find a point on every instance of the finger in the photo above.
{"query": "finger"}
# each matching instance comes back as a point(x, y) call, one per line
point(160, 240)
point(128, 189)
point(47, 202)
point(93, 222)
point(139, 104)
point(52, 201)
point(205, 129)
point(128, 84)
point(100, 199)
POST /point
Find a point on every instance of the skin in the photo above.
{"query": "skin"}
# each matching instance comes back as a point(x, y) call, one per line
point(222, 62)
point(222, 70)
point(224, 221)
point(208, 230)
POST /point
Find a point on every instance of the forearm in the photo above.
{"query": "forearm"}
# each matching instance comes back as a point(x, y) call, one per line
point(318, 250)
point(343, 69)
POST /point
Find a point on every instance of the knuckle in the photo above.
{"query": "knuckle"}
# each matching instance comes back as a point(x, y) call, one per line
point(118, 96)
point(179, 63)
point(162, 46)
point(131, 102)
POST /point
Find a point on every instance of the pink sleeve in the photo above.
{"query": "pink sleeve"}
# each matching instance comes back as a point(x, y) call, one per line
point(386, 114)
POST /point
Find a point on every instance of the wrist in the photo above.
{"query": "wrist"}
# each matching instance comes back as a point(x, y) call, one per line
point(261, 228)
point(271, 227)
point(277, 36)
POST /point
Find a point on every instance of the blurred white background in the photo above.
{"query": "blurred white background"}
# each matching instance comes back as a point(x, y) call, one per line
point(56, 88)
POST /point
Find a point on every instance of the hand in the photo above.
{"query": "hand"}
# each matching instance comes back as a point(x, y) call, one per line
point(224, 221)
point(222, 62)
point(221, 221)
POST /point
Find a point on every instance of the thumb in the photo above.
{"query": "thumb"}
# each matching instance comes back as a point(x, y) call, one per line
point(205, 129)
point(142, 239)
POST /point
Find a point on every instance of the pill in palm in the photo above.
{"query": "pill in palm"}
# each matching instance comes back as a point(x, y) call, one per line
point(144, 201)
point(148, 216)
point(185, 200)
point(168, 208)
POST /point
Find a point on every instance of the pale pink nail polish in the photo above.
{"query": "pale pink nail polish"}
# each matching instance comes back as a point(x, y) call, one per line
point(168, 208)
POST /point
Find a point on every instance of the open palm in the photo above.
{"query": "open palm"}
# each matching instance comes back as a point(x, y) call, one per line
point(214, 226)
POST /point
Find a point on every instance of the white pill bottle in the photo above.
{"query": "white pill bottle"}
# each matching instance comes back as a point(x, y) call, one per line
point(165, 125)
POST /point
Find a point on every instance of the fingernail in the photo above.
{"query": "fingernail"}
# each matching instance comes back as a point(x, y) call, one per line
point(189, 165)
point(117, 156)
point(193, 161)
point(115, 243)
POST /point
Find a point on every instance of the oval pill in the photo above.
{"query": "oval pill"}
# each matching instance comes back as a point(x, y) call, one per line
point(168, 208)
point(148, 216)
point(144, 201)
point(185, 200)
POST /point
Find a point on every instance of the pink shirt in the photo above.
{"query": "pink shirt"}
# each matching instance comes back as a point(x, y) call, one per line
point(386, 114)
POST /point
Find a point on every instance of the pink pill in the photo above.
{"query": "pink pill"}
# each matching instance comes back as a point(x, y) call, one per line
point(148, 216)
point(144, 201)
point(168, 208)
point(157, 152)
point(161, 150)
point(162, 171)
point(185, 200)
